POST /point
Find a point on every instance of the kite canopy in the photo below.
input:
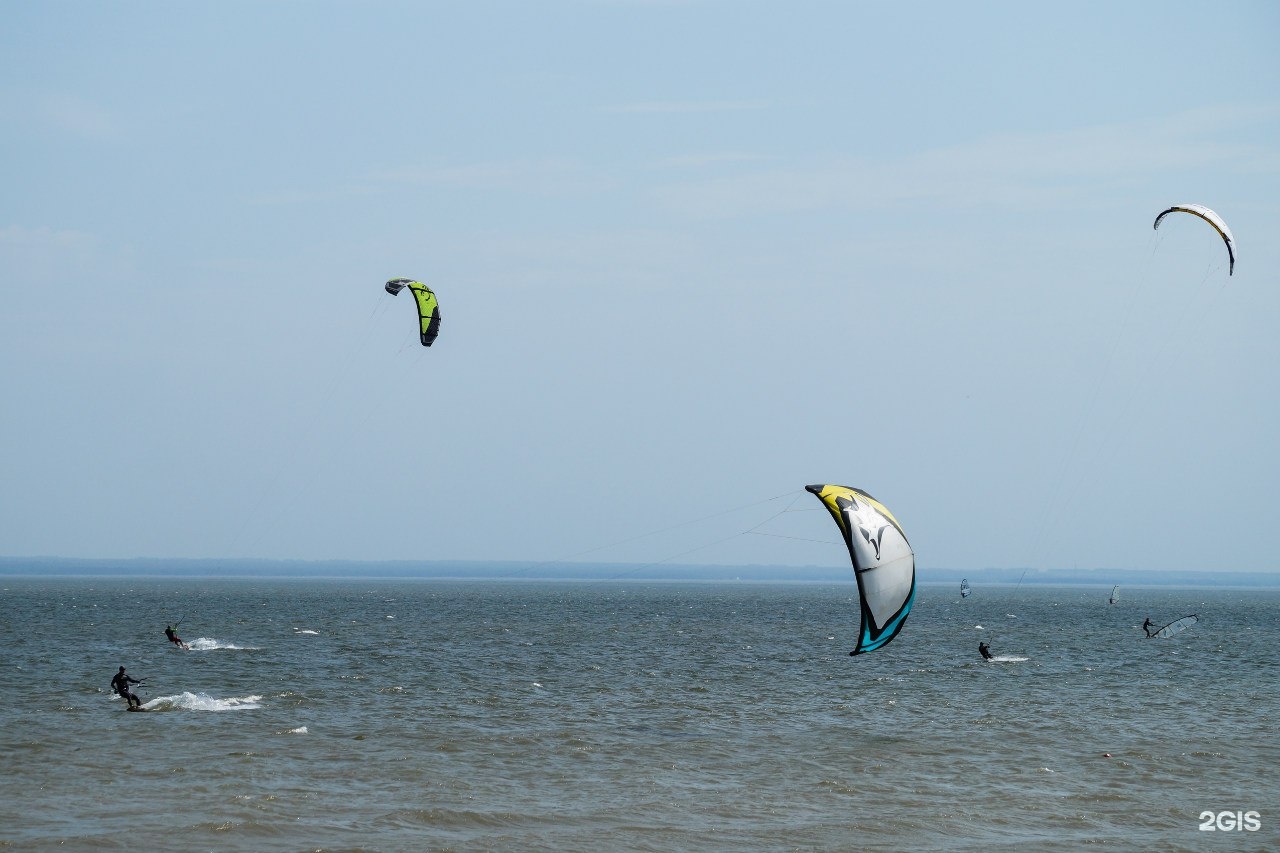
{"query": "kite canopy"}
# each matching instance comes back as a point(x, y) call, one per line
point(428, 307)
point(1213, 219)
point(883, 562)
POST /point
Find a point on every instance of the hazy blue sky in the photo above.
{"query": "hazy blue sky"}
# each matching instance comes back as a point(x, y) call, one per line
point(690, 256)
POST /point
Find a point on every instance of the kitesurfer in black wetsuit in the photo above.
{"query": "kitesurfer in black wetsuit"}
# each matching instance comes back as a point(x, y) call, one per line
point(1146, 626)
point(174, 638)
point(985, 651)
point(120, 684)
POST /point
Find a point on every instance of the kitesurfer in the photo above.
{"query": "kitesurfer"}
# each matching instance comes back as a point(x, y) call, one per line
point(174, 638)
point(1146, 626)
point(120, 684)
point(985, 651)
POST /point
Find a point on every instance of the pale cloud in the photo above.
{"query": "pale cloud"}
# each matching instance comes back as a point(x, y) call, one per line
point(695, 161)
point(1178, 142)
point(617, 258)
point(45, 255)
point(81, 118)
point(15, 238)
point(1014, 170)
point(669, 107)
point(550, 177)
point(340, 193)
point(638, 3)
point(35, 257)
point(61, 112)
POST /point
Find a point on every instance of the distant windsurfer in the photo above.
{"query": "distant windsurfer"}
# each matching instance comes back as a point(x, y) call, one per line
point(1146, 626)
point(174, 638)
point(120, 684)
point(985, 651)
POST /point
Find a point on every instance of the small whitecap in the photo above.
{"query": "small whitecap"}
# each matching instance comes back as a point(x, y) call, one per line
point(188, 701)
point(300, 730)
point(206, 644)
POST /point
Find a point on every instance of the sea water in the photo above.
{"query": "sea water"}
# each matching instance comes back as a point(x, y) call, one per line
point(436, 715)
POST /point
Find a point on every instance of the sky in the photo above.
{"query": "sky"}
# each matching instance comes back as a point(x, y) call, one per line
point(690, 257)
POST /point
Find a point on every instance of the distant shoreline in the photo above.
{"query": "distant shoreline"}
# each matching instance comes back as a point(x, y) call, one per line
point(29, 567)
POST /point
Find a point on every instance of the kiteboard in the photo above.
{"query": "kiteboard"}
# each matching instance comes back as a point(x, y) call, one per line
point(135, 708)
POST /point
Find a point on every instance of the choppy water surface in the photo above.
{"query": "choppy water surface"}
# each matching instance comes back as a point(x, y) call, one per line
point(393, 715)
